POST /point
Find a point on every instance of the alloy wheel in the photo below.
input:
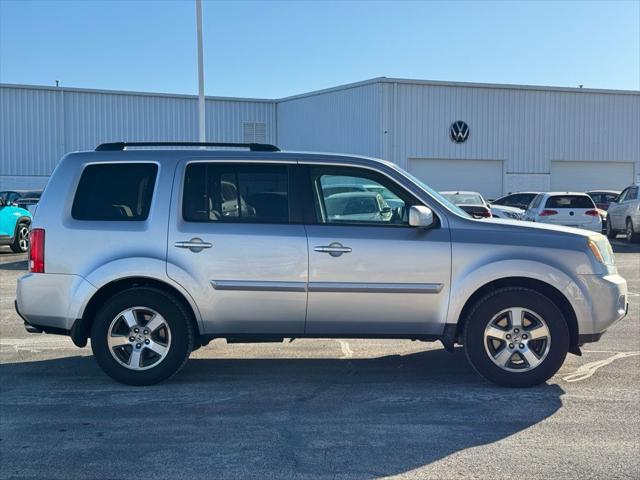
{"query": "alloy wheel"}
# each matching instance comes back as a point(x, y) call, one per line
point(23, 238)
point(517, 339)
point(139, 338)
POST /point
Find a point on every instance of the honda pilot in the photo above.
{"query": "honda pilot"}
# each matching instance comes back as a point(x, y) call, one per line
point(175, 247)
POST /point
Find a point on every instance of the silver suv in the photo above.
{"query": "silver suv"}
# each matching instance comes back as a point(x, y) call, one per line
point(623, 214)
point(175, 247)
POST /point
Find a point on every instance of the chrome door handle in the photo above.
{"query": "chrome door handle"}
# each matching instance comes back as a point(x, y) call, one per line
point(335, 249)
point(195, 244)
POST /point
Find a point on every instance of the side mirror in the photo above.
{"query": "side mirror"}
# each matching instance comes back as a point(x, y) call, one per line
point(420, 216)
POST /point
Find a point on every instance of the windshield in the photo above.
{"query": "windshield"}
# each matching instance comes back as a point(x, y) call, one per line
point(436, 195)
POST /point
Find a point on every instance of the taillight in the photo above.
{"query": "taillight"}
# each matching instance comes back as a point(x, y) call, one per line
point(36, 250)
point(547, 213)
point(485, 214)
point(593, 213)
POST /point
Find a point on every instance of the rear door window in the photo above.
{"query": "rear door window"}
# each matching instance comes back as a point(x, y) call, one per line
point(240, 193)
point(115, 192)
point(570, 201)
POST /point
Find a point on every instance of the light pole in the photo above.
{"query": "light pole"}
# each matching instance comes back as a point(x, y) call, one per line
point(201, 103)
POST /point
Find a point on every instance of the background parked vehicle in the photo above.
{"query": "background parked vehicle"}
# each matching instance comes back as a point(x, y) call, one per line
point(475, 204)
point(14, 226)
point(518, 200)
point(509, 213)
point(471, 202)
point(364, 206)
point(623, 214)
point(571, 209)
point(27, 199)
point(603, 198)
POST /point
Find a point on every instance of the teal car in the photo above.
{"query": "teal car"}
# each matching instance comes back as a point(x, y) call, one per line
point(14, 225)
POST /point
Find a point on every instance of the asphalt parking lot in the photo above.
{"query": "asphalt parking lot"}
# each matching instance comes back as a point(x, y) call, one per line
point(351, 409)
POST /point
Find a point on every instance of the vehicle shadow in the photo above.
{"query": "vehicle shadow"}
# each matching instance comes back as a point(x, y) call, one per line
point(15, 265)
point(259, 418)
point(622, 246)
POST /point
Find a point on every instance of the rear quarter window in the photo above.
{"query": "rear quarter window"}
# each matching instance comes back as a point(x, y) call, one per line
point(115, 192)
point(570, 201)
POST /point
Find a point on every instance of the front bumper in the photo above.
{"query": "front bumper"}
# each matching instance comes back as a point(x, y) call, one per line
point(599, 302)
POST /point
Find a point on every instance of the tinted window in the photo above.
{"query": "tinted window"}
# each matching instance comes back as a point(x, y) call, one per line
point(570, 201)
point(623, 196)
point(236, 193)
point(633, 193)
point(536, 201)
point(597, 197)
point(115, 192)
point(353, 197)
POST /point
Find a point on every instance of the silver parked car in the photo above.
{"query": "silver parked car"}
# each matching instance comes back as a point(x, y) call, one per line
point(623, 214)
point(177, 247)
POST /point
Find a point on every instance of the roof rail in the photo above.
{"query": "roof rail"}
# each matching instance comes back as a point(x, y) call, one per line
point(254, 147)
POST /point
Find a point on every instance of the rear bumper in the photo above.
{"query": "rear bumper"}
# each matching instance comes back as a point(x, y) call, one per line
point(31, 328)
point(52, 302)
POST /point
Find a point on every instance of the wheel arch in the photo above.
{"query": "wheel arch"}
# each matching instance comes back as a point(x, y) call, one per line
point(80, 332)
point(548, 290)
point(21, 219)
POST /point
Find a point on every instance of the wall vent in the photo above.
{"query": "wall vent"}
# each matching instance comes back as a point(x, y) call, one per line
point(254, 132)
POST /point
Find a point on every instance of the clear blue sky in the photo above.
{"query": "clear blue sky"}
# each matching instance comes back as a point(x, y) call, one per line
point(274, 49)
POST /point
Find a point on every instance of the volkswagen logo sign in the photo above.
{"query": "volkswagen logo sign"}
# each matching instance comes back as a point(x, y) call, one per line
point(459, 131)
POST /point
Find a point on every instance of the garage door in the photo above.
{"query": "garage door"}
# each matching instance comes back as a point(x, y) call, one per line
point(584, 176)
point(484, 176)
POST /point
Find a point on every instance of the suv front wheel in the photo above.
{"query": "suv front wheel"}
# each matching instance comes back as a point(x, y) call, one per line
point(516, 337)
point(141, 336)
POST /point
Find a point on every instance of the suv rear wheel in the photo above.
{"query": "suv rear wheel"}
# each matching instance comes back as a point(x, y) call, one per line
point(516, 337)
point(141, 336)
point(21, 239)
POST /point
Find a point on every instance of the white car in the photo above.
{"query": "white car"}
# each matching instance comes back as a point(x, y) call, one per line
point(510, 213)
point(571, 209)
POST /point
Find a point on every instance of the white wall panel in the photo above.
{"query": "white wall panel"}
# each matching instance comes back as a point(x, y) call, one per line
point(342, 120)
point(39, 124)
point(524, 127)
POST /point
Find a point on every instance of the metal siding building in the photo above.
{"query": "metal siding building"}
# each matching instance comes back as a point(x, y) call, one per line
point(521, 137)
point(40, 124)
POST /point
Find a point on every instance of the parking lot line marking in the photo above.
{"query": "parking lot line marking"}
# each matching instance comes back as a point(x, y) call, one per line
point(588, 369)
point(346, 350)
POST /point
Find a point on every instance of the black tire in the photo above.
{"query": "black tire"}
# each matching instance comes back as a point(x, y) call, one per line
point(20, 242)
point(630, 232)
point(611, 233)
point(505, 298)
point(175, 316)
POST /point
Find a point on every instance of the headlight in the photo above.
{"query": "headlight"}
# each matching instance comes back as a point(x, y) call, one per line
point(601, 249)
